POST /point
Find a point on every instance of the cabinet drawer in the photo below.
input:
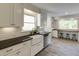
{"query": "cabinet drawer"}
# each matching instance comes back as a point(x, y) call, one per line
point(11, 49)
point(36, 48)
point(23, 51)
point(36, 36)
point(36, 39)
point(19, 52)
point(27, 43)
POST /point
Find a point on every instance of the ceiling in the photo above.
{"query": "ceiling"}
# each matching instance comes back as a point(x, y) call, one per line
point(59, 9)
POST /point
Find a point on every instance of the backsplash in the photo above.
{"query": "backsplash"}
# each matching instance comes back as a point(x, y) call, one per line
point(8, 30)
point(11, 32)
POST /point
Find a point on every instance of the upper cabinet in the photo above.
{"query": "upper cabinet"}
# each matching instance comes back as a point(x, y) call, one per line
point(5, 14)
point(11, 14)
point(18, 14)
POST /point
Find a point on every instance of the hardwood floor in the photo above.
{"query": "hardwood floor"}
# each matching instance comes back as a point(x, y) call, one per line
point(61, 47)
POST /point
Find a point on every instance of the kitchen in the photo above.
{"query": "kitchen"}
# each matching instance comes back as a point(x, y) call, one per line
point(19, 36)
point(38, 29)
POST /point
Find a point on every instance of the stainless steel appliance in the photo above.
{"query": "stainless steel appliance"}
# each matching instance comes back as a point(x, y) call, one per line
point(46, 38)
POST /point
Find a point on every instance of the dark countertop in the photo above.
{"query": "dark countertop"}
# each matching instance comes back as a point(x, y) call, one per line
point(13, 41)
point(46, 33)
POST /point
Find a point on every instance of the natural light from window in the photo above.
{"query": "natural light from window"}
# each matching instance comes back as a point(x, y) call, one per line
point(68, 23)
point(29, 22)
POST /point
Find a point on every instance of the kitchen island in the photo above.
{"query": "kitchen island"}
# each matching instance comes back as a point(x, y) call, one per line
point(68, 34)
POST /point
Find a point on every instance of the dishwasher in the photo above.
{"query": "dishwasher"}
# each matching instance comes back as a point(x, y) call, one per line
point(46, 39)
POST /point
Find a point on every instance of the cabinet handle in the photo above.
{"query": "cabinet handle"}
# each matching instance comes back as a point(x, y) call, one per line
point(9, 50)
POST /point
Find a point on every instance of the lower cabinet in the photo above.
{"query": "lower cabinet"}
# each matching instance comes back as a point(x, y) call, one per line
point(22, 49)
point(25, 50)
point(28, 48)
point(20, 52)
point(36, 48)
point(37, 44)
point(55, 33)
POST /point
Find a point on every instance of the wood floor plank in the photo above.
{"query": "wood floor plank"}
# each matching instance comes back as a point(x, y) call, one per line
point(61, 47)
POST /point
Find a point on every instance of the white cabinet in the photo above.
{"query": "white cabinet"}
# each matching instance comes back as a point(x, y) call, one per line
point(11, 14)
point(5, 14)
point(37, 44)
point(19, 52)
point(27, 46)
point(18, 15)
point(36, 48)
point(36, 39)
point(55, 33)
point(10, 49)
point(22, 49)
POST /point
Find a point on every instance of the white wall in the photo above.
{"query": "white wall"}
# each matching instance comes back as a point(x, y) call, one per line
point(43, 18)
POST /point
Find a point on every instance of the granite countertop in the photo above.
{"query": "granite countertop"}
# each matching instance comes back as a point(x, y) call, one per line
point(13, 41)
point(39, 34)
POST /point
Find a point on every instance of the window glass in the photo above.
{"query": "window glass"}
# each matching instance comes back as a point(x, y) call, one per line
point(29, 23)
point(28, 27)
point(31, 20)
point(68, 24)
point(28, 18)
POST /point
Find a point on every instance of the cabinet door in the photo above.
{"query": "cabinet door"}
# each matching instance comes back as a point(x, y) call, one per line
point(27, 46)
point(6, 11)
point(18, 15)
point(36, 39)
point(25, 50)
point(20, 52)
point(36, 48)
